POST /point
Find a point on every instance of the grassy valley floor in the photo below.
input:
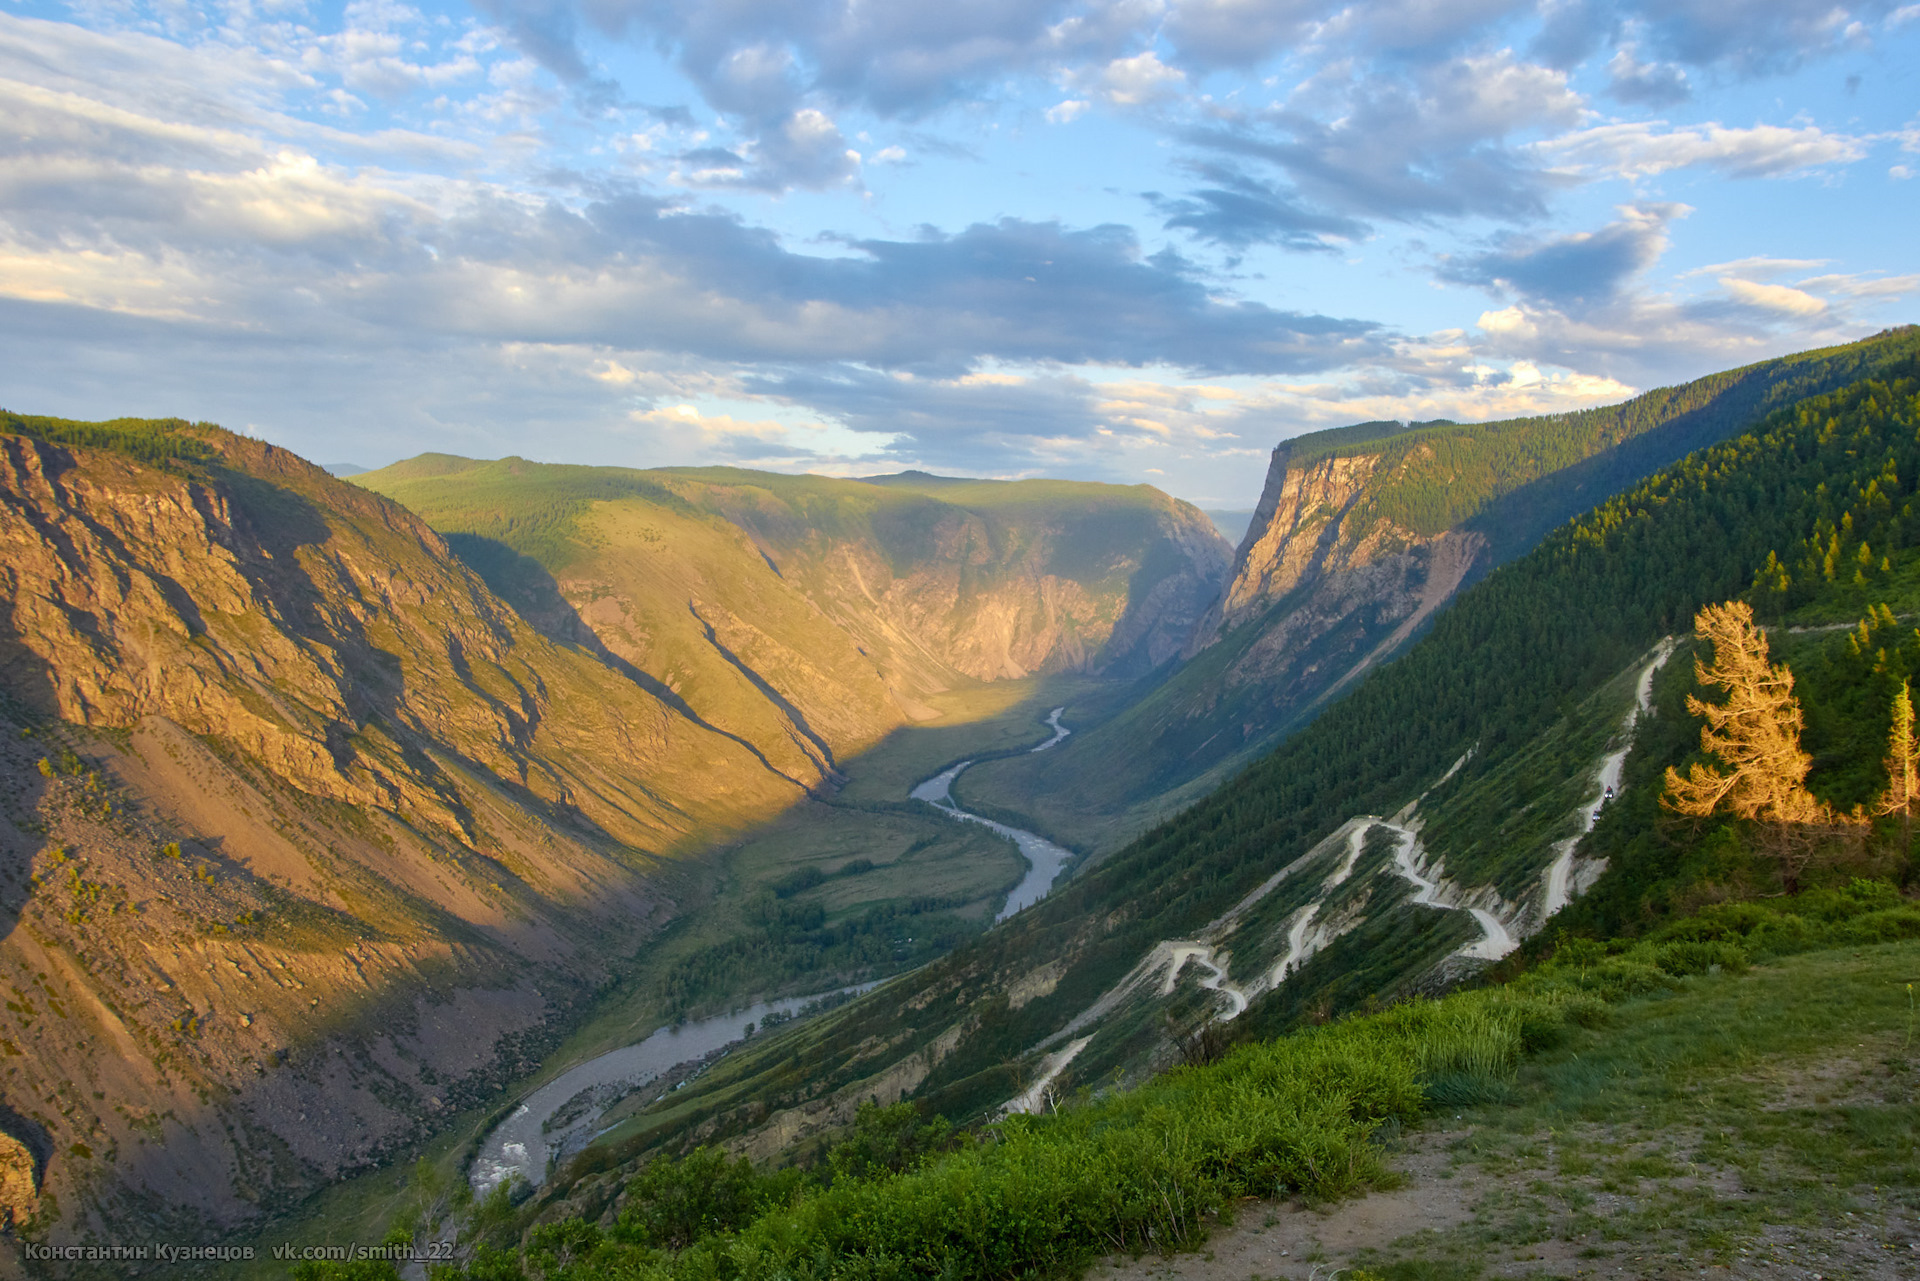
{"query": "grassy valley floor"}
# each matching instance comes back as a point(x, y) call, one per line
point(916, 855)
point(1760, 1125)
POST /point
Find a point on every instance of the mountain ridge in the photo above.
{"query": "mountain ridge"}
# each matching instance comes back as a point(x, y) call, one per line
point(1361, 536)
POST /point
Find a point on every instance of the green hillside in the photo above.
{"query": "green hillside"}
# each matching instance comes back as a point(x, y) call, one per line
point(1509, 483)
point(1484, 722)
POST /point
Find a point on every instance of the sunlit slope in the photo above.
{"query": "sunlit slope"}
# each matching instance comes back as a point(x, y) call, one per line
point(809, 615)
point(1484, 742)
point(1362, 535)
point(308, 837)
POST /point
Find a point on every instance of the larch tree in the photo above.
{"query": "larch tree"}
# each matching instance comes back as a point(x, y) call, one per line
point(1902, 796)
point(1756, 734)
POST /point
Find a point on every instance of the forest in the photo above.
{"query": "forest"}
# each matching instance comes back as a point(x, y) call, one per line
point(167, 443)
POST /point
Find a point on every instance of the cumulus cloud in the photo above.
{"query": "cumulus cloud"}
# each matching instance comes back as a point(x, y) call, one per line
point(1863, 286)
point(1651, 84)
point(234, 221)
point(806, 150)
point(1138, 81)
point(1780, 298)
point(1579, 269)
point(1236, 210)
point(1753, 37)
point(1742, 38)
point(1431, 145)
point(1240, 33)
point(763, 58)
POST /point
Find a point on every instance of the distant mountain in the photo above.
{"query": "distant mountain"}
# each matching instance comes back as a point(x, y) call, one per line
point(1361, 535)
point(342, 470)
point(1231, 524)
point(917, 480)
point(809, 615)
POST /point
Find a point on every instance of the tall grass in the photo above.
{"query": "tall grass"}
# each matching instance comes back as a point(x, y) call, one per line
point(1149, 1168)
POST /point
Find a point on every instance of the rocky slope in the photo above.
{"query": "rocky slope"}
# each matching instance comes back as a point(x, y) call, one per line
point(307, 837)
point(1361, 534)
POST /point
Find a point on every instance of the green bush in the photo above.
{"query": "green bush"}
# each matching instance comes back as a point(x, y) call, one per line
point(1142, 1169)
point(1699, 956)
point(672, 1204)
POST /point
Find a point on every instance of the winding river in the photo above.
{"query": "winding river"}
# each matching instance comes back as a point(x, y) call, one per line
point(1044, 859)
point(523, 1145)
point(563, 1115)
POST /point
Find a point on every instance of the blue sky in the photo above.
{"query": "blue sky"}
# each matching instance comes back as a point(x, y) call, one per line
point(1126, 240)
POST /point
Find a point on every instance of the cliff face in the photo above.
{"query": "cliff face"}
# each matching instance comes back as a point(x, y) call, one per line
point(987, 583)
point(1330, 585)
point(307, 838)
point(811, 616)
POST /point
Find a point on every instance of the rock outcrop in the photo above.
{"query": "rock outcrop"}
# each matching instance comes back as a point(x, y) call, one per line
point(1317, 566)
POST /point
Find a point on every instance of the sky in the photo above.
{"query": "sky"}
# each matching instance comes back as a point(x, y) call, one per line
point(1138, 241)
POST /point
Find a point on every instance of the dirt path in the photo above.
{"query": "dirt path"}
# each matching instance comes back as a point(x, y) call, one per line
point(1476, 1204)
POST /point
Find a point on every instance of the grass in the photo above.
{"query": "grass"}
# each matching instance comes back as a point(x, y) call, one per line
point(1755, 1119)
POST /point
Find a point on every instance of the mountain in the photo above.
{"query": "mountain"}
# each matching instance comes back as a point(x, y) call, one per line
point(1451, 805)
point(1361, 536)
point(810, 616)
point(311, 840)
point(1231, 524)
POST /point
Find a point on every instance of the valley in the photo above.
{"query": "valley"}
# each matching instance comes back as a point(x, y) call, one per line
point(360, 815)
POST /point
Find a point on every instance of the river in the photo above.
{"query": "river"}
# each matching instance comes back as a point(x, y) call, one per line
point(561, 1116)
point(1045, 860)
point(523, 1144)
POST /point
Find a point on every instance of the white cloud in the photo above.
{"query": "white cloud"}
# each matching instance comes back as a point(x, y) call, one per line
point(1781, 298)
point(1139, 80)
point(1864, 286)
point(1762, 268)
point(1061, 113)
point(1648, 148)
point(682, 418)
